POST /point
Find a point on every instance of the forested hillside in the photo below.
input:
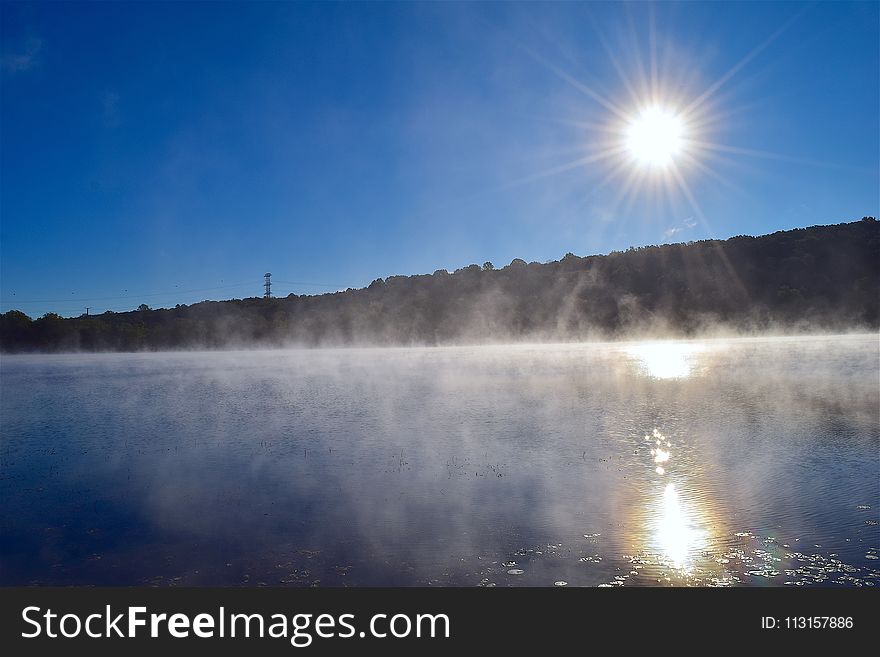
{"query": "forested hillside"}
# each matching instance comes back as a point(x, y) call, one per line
point(821, 278)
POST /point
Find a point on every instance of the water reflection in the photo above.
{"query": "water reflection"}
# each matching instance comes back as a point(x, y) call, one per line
point(675, 532)
point(665, 360)
point(444, 466)
point(660, 455)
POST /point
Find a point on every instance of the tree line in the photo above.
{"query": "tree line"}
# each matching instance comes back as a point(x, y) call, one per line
point(822, 278)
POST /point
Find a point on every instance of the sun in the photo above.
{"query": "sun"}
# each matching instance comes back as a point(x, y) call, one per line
point(655, 136)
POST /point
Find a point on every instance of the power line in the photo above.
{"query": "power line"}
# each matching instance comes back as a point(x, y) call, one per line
point(336, 287)
point(130, 296)
point(169, 292)
point(77, 303)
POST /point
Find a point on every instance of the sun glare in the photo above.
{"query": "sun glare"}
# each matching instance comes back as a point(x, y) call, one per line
point(654, 137)
point(665, 360)
point(676, 535)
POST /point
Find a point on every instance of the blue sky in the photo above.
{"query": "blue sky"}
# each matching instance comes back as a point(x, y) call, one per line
point(168, 153)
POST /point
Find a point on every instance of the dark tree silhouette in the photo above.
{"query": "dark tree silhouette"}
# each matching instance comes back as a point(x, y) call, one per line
point(823, 278)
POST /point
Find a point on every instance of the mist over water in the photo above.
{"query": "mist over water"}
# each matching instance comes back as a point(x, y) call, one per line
point(722, 462)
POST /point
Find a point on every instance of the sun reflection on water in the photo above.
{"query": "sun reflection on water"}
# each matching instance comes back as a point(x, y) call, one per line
point(665, 360)
point(672, 522)
point(674, 529)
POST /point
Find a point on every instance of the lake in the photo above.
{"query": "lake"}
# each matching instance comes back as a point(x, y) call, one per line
point(708, 463)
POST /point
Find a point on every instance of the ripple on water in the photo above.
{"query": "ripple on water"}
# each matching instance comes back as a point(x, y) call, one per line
point(305, 425)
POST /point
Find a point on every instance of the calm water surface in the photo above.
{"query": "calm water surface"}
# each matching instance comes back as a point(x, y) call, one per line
point(743, 462)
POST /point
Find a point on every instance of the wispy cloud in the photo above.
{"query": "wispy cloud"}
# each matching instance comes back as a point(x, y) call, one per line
point(23, 56)
point(688, 224)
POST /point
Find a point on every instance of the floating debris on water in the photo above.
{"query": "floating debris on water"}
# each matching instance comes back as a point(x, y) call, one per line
point(591, 559)
point(515, 571)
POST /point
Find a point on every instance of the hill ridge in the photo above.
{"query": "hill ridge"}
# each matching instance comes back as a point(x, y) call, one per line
point(815, 278)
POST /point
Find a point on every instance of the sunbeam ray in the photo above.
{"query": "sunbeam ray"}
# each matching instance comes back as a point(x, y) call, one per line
point(574, 82)
point(757, 50)
point(767, 155)
point(562, 168)
point(728, 265)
